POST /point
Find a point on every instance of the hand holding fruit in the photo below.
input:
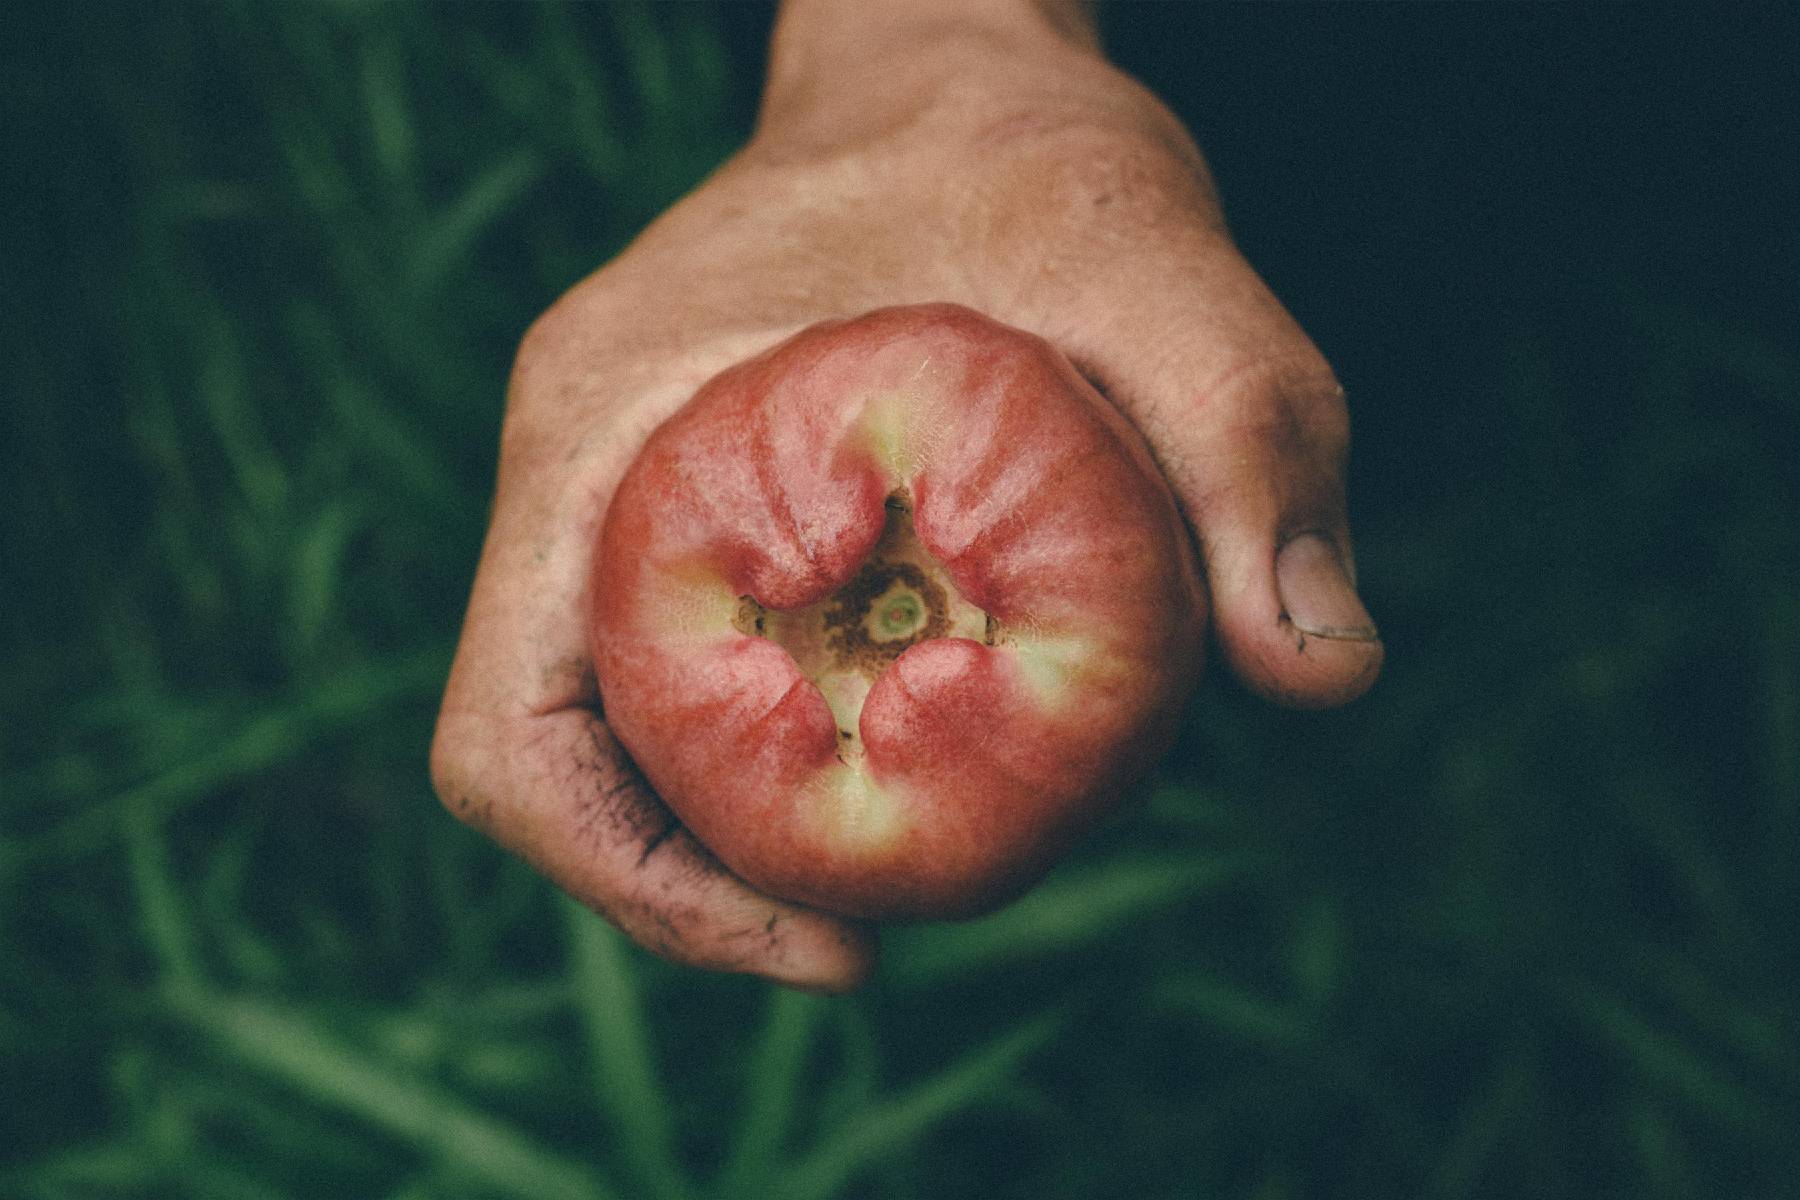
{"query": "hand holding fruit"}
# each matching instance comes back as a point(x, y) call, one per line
point(979, 156)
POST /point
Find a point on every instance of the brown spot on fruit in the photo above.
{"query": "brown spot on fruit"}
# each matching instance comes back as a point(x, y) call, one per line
point(888, 607)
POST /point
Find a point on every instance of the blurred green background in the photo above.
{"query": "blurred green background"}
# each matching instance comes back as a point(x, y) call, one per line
point(1521, 923)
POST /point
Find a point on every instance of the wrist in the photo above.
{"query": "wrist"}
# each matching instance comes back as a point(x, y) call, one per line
point(816, 38)
point(849, 62)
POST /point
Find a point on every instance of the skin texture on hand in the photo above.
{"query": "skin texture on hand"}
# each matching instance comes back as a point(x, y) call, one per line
point(982, 155)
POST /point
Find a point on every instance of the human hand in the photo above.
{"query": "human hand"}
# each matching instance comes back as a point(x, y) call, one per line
point(979, 152)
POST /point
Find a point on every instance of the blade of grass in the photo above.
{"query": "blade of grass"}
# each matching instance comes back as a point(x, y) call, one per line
point(1753, 1030)
point(1236, 1011)
point(1468, 1150)
point(647, 62)
point(1665, 1061)
point(1677, 833)
point(287, 1046)
point(1660, 1150)
point(224, 392)
point(449, 238)
point(160, 909)
point(857, 1054)
point(402, 455)
point(261, 1120)
point(583, 109)
point(1187, 803)
point(393, 141)
point(1316, 956)
point(618, 1039)
point(481, 908)
point(405, 457)
point(246, 953)
point(316, 565)
point(111, 1167)
point(772, 1092)
point(275, 737)
point(199, 1178)
point(1067, 912)
point(515, 1005)
point(893, 1124)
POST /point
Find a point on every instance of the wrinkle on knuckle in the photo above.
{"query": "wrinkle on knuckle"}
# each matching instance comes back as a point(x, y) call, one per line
point(1261, 440)
point(1288, 404)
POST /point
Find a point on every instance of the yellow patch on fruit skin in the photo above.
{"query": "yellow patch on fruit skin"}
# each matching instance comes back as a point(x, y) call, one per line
point(688, 603)
point(844, 693)
point(1052, 666)
point(904, 427)
point(851, 812)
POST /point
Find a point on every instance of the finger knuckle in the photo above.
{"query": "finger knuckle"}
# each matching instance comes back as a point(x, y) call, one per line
point(1290, 403)
point(543, 345)
point(452, 777)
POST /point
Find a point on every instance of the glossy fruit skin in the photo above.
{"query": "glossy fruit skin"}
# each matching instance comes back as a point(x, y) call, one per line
point(976, 760)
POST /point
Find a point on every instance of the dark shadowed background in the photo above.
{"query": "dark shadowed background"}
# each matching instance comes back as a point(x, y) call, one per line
point(1521, 923)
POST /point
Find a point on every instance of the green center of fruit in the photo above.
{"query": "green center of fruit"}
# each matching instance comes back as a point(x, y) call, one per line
point(889, 605)
point(899, 612)
point(900, 597)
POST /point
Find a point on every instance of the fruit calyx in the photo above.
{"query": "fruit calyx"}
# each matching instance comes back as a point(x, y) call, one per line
point(900, 596)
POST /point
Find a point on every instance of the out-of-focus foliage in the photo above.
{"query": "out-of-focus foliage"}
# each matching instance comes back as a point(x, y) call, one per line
point(1521, 923)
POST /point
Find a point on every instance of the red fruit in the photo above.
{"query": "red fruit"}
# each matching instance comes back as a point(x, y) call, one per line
point(891, 612)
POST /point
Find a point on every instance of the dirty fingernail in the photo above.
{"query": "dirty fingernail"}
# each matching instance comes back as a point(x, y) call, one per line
point(1317, 594)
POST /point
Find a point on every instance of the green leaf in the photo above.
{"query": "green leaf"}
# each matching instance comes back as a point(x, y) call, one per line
point(1484, 1124)
point(237, 423)
point(1660, 1149)
point(392, 136)
point(1757, 1030)
point(107, 1167)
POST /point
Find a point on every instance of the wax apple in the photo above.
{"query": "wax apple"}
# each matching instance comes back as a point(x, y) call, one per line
point(888, 614)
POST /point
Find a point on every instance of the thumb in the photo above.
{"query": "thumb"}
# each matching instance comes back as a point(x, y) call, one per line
point(1250, 428)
